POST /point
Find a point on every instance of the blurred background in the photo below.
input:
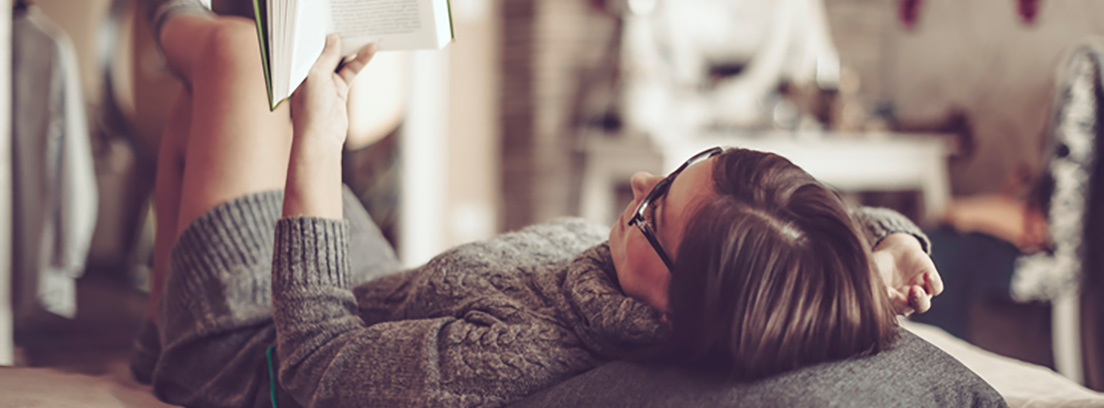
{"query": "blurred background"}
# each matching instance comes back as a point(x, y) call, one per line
point(977, 119)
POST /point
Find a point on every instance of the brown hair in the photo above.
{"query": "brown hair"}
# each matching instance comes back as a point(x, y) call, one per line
point(773, 275)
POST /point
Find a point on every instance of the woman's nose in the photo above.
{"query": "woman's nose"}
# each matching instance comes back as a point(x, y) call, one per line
point(642, 183)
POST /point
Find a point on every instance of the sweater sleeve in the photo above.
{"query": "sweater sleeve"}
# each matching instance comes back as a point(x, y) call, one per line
point(881, 222)
point(328, 357)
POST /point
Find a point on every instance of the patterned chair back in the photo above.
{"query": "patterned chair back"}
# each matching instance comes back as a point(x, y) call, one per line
point(1065, 192)
point(1074, 200)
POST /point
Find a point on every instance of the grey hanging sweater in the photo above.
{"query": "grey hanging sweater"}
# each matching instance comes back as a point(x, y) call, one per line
point(483, 324)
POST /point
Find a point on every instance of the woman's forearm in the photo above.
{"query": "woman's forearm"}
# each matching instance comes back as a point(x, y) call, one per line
point(320, 118)
point(313, 187)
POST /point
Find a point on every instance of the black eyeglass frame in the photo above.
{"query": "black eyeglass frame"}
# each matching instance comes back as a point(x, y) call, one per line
point(640, 221)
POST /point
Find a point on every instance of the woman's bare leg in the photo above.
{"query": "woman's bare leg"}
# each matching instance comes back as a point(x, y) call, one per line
point(226, 143)
point(236, 146)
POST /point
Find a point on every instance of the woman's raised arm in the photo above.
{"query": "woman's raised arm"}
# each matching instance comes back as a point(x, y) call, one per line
point(321, 122)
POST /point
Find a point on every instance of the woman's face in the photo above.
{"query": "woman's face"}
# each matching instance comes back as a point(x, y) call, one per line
point(640, 270)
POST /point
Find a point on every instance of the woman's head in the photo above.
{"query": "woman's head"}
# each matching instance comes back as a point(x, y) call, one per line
point(639, 261)
point(770, 271)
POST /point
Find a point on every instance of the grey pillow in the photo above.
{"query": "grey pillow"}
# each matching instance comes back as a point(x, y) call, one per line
point(912, 374)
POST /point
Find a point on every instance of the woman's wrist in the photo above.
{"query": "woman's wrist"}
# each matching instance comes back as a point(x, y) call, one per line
point(313, 186)
point(319, 140)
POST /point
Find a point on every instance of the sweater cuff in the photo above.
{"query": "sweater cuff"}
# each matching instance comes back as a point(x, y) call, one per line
point(882, 222)
point(310, 252)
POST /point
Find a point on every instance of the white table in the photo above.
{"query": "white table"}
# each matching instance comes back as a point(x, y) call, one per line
point(610, 161)
point(847, 162)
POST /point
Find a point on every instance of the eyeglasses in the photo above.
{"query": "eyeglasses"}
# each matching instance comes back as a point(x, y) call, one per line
point(640, 219)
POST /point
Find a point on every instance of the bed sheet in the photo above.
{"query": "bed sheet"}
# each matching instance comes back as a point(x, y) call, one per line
point(1023, 385)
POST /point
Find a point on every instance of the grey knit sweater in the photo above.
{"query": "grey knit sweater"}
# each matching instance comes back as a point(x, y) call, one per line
point(483, 324)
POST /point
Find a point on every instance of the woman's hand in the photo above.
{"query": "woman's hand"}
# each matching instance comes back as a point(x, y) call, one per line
point(319, 107)
point(321, 122)
point(908, 272)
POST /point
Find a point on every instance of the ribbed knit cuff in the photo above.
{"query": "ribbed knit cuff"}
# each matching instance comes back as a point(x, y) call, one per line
point(310, 253)
point(219, 263)
point(882, 222)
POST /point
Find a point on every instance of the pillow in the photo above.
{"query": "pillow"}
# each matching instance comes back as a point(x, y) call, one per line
point(912, 374)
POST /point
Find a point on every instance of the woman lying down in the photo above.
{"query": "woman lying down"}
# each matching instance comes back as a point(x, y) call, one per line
point(272, 284)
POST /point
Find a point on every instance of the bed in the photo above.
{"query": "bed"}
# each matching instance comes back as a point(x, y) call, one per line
point(1021, 384)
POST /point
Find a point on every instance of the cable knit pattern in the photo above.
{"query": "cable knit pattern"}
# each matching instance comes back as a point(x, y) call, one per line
point(605, 320)
point(483, 324)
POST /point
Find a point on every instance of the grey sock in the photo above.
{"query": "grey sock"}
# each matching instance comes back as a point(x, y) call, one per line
point(160, 11)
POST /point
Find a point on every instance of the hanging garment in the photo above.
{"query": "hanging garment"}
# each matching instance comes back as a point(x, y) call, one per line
point(55, 193)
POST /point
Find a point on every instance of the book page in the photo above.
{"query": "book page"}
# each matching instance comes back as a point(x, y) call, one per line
point(391, 24)
point(375, 18)
point(309, 39)
point(442, 19)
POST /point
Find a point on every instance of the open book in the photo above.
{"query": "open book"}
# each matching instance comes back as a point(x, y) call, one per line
point(293, 32)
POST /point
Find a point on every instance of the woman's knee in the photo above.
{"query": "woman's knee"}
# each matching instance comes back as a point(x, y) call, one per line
point(199, 45)
point(229, 50)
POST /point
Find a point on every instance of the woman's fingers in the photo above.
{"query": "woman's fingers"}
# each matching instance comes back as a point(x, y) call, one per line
point(899, 301)
point(914, 299)
point(919, 299)
point(331, 55)
point(353, 67)
point(933, 283)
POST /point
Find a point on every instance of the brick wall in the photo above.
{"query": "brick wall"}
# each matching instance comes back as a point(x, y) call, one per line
point(862, 31)
point(517, 106)
point(547, 45)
